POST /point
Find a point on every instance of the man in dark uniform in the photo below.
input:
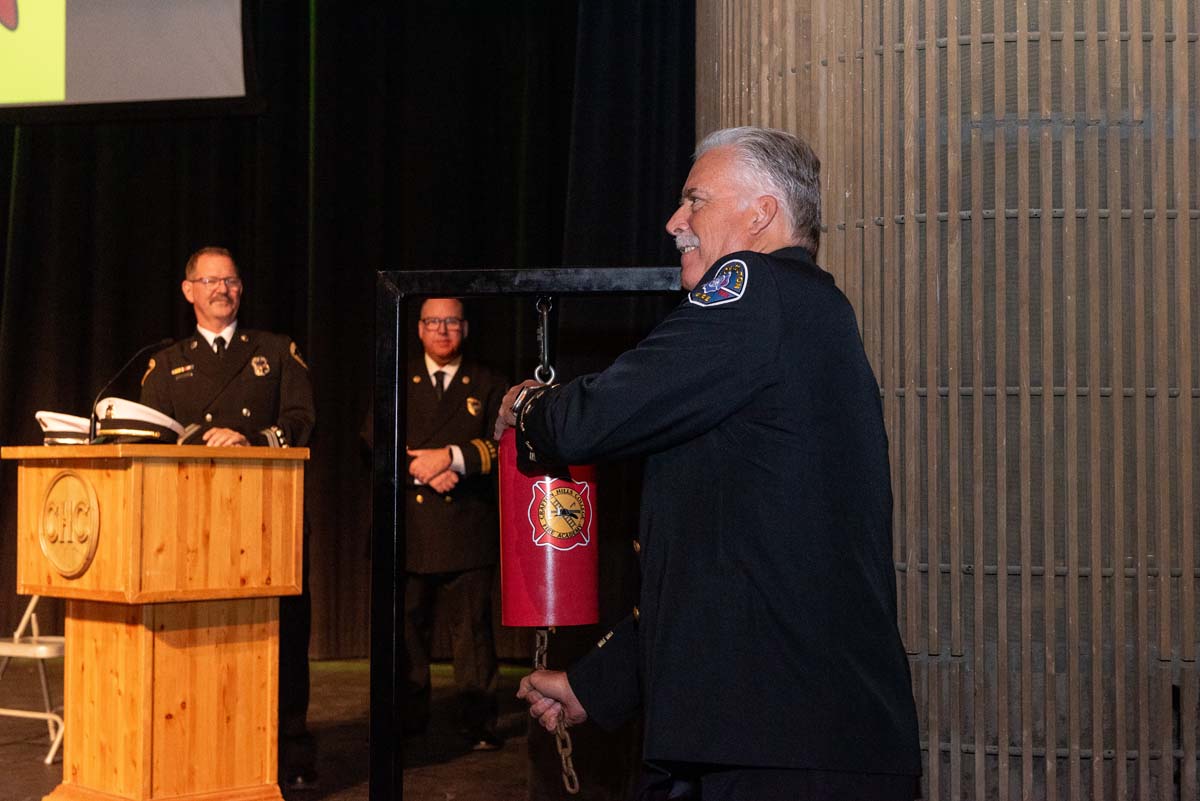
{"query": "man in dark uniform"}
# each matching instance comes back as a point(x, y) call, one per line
point(245, 387)
point(450, 514)
point(764, 654)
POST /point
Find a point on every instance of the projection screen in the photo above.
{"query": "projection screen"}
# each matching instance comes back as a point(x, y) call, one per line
point(87, 54)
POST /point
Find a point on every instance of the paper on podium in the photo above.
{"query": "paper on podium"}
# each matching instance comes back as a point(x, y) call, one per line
point(62, 429)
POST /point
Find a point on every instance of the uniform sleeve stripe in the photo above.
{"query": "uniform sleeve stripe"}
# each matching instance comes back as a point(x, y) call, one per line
point(486, 455)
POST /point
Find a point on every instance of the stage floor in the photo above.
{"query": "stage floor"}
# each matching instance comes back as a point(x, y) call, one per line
point(437, 766)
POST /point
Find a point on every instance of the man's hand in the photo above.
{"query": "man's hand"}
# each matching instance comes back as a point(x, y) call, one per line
point(550, 697)
point(428, 462)
point(224, 437)
point(443, 482)
point(506, 418)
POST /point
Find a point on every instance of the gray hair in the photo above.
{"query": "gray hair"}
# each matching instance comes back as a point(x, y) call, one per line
point(784, 164)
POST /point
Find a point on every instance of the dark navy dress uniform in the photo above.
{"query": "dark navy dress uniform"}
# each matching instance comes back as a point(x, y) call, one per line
point(452, 542)
point(766, 633)
point(260, 387)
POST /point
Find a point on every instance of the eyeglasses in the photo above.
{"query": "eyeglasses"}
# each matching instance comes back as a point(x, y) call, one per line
point(434, 323)
point(211, 283)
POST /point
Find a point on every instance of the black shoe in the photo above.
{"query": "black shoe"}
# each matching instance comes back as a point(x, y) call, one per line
point(301, 780)
point(486, 741)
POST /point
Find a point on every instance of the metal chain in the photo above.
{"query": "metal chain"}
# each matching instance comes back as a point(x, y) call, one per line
point(562, 740)
point(544, 372)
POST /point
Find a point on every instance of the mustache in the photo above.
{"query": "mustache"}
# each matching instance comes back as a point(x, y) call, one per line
point(686, 241)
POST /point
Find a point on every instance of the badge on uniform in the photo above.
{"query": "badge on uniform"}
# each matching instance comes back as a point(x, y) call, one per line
point(184, 371)
point(261, 365)
point(474, 406)
point(727, 286)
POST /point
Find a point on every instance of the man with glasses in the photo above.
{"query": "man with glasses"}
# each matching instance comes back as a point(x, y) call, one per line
point(450, 513)
point(244, 387)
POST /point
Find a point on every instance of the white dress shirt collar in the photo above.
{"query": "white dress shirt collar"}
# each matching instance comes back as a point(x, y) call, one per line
point(450, 369)
point(211, 336)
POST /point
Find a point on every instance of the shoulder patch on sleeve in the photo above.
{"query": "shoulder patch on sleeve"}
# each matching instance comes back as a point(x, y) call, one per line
point(727, 285)
point(296, 355)
point(149, 370)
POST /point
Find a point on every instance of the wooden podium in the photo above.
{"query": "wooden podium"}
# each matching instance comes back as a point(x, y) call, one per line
point(171, 559)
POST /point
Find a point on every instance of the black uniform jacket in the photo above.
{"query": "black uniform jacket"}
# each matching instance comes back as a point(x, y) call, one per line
point(458, 530)
point(767, 629)
point(260, 387)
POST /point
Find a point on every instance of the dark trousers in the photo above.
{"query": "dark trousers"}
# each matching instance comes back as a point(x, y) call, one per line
point(466, 598)
point(297, 747)
point(690, 781)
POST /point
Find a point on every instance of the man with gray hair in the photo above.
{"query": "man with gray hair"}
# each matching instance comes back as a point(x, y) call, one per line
point(764, 653)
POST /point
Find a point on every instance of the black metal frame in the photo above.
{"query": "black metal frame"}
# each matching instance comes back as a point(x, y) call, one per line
point(387, 550)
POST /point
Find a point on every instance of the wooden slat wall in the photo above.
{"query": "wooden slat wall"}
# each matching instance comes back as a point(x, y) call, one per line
point(1011, 193)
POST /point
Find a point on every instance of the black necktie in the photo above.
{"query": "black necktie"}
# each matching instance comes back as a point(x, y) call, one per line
point(438, 377)
point(219, 345)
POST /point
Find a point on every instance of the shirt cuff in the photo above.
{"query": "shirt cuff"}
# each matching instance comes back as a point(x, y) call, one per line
point(456, 460)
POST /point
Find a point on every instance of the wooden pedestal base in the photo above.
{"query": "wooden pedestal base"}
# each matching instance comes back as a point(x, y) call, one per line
point(171, 701)
point(66, 792)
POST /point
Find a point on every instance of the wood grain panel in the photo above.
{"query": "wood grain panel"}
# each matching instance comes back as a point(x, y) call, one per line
point(108, 577)
point(223, 661)
point(171, 528)
point(1049, 315)
point(107, 742)
point(204, 527)
point(1119, 273)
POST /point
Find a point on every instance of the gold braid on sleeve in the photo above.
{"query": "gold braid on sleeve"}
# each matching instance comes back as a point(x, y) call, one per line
point(487, 454)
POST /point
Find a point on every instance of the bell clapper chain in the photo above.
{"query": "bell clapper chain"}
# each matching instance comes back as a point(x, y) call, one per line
point(562, 739)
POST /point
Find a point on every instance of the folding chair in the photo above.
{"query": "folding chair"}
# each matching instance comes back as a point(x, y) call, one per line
point(40, 648)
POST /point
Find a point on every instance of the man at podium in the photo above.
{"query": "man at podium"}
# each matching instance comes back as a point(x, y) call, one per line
point(245, 387)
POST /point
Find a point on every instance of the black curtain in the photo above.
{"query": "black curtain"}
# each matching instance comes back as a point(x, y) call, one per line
point(425, 134)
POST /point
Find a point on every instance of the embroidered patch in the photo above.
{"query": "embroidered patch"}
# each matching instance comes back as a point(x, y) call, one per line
point(727, 286)
point(261, 365)
point(474, 406)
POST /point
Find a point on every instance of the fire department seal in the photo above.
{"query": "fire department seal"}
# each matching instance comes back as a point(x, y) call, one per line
point(558, 513)
point(261, 365)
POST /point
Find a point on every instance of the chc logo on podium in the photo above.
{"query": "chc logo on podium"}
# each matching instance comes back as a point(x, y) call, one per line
point(69, 530)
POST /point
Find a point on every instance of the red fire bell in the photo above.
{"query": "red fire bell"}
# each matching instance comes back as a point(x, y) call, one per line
point(548, 565)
